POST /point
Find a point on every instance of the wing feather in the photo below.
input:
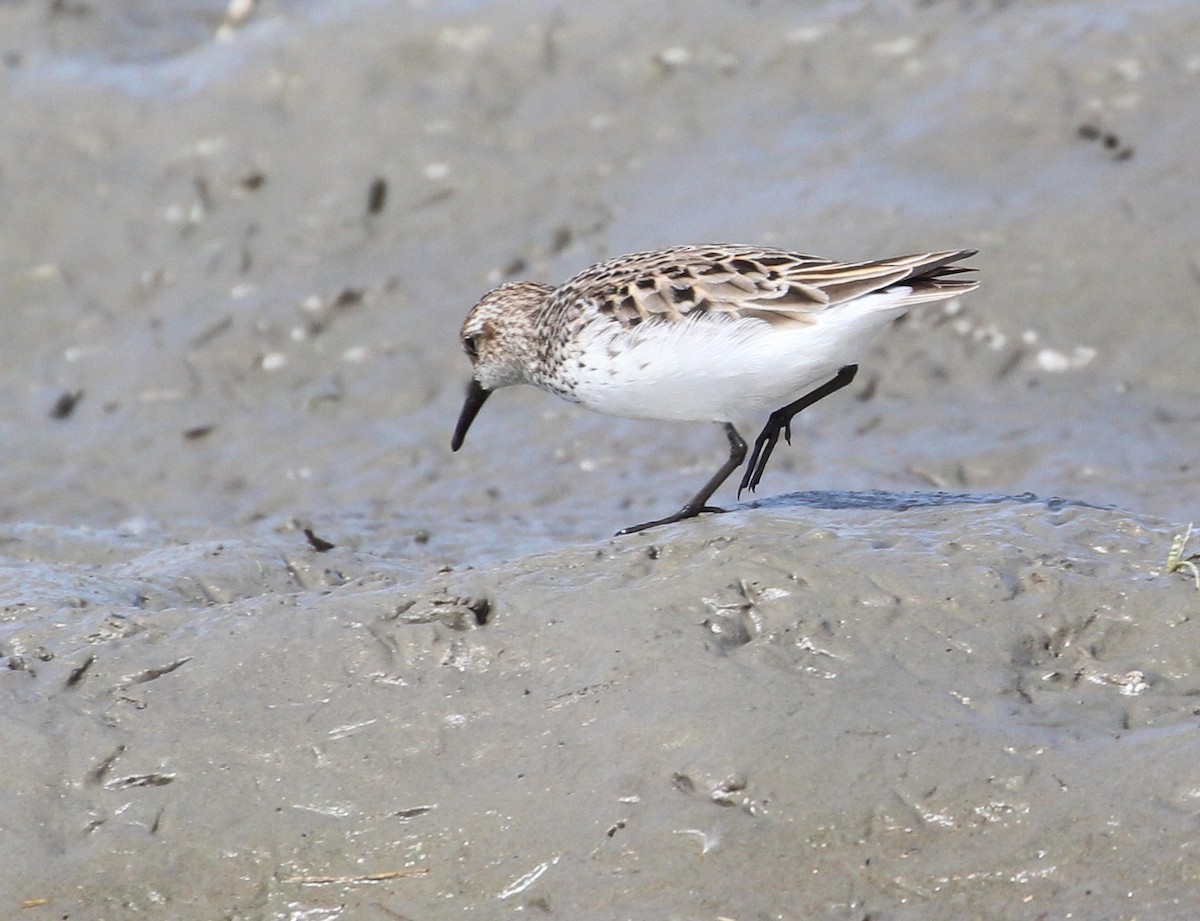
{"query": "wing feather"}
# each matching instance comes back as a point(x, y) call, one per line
point(777, 286)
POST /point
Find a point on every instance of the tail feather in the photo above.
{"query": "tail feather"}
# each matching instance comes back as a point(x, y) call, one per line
point(929, 281)
point(927, 290)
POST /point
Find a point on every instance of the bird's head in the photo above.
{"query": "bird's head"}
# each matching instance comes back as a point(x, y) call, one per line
point(498, 337)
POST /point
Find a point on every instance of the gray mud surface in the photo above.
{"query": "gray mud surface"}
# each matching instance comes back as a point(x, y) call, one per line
point(936, 670)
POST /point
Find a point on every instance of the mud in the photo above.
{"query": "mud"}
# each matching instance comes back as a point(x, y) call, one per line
point(936, 670)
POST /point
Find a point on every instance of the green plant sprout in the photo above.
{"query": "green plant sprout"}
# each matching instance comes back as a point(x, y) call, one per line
point(1176, 561)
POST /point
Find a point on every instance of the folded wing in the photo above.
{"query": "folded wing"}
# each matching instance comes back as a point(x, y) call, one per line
point(744, 281)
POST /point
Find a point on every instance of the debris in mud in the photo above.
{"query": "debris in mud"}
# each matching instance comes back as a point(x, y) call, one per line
point(1109, 139)
point(196, 432)
point(377, 195)
point(65, 404)
point(318, 543)
point(454, 611)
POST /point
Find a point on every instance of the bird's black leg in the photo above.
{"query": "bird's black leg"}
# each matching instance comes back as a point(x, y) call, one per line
point(698, 503)
point(781, 420)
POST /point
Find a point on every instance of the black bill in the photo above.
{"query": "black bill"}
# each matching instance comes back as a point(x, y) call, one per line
point(476, 397)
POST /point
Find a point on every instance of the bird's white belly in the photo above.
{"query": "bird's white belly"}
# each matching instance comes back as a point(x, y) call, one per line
point(716, 369)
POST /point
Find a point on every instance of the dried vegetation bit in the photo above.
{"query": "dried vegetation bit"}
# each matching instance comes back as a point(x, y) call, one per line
point(253, 181)
point(1177, 562)
point(196, 432)
point(349, 297)
point(562, 238)
point(515, 266)
point(104, 766)
point(151, 674)
point(317, 543)
point(65, 404)
point(140, 780)
point(1108, 139)
point(76, 674)
point(377, 195)
point(361, 878)
point(413, 812)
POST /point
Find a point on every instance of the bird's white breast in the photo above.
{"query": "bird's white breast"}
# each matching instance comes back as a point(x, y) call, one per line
point(718, 368)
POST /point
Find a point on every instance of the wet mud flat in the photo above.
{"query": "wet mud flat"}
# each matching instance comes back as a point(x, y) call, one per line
point(271, 651)
point(930, 706)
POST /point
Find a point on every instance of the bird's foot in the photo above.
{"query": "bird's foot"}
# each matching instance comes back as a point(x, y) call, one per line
point(688, 511)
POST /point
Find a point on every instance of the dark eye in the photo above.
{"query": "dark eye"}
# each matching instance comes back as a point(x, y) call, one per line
point(470, 346)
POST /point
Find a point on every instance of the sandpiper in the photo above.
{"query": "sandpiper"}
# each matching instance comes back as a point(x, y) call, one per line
point(715, 332)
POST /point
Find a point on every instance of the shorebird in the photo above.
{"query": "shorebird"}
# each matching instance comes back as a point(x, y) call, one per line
point(714, 332)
